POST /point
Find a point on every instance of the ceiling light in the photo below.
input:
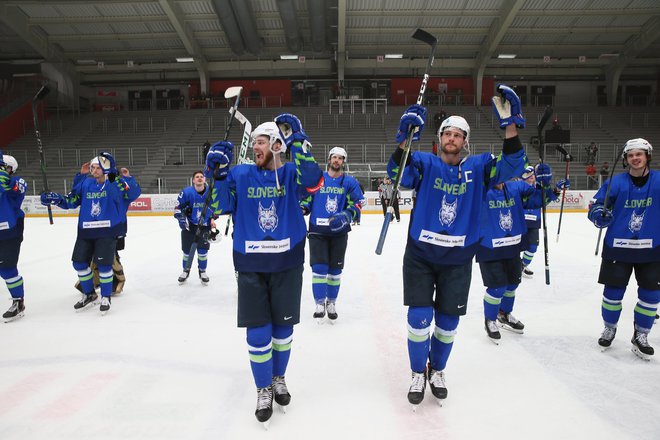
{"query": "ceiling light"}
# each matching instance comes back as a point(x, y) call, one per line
point(394, 56)
point(86, 61)
point(185, 60)
point(506, 56)
point(288, 57)
point(608, 55)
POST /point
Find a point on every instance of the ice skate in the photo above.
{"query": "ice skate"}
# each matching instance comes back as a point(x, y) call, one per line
point(319, 313)
point(527, 272)
point(264, 405)
point(492, 331)
point(85, 301)
point(184, 276)
point(281, 392)
point(641, 345)
point(606, 338)
point(16, 310)
point(203, 277)
point(332, 311)
point(417, 389)
point(509, 322)
point(437, 384)
point(105, 305)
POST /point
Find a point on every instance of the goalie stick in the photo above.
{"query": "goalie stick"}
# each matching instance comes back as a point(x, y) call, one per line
point(41, 94)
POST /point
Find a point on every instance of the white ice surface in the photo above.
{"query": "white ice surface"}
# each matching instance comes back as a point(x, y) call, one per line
point(167, 361)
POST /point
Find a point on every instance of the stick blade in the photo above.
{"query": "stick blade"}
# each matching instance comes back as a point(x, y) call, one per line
point(425, 37)
point(41, 94)
point(233, 92)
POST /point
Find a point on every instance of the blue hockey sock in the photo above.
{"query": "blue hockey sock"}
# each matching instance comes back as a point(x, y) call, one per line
point(202, 256)
point(442, 340)
point(85, 276)
point(646, 308)
point(528, 255)
point(492, 300)
point(13, 280)
point(419, 324)
point(282, 338)
point(320, 282)
point(334, 281)
point(509, 298)
point(259, 340)
point(611, 306)
point(105, 277)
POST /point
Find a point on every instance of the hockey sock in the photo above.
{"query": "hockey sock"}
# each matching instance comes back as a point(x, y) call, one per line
point(334, 281)
point(442, 340)
point(509, 298)
point(13, 280)
point(185, 261)
point(611, 307)
point(202, 256)
point(528, 255)
point(646, 308)
point(259, 340)
point(320, 282)
point(282, 338)
point(105, 277)
point(492, 300)
point(419, 324)
point(85, 276)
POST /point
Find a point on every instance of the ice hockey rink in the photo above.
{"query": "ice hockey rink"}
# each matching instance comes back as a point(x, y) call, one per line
point(168, 362)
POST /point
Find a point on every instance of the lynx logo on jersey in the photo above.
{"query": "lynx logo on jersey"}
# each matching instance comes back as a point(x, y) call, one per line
point(447, 211)
point(506, 220)
point(635, 224)
point(268, 217)
point(331, 205)
point(96, 209)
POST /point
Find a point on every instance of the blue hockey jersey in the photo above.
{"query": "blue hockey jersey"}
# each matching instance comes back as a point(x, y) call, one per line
point(12, 193)
point(190, 203)
point(634, 235)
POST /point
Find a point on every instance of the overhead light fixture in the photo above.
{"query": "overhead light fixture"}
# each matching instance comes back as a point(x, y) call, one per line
point(608, 55)
point(86, 61)
point(394, 56)
point(506, 56)
point(288, 57)
point(185, 60)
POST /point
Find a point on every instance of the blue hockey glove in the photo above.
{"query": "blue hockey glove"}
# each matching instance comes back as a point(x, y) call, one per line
point(51, 198)
point(107, 163)
point(340, 221)
point(563, 184)
point(415, 117)
point(183, 221)
point(508, 107)
point(218, 160)
point(543, 174)
point(291, 129)
point(600, 216)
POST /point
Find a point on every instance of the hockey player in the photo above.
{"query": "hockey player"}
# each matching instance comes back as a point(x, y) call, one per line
point(533, 221)
point(332, 210)
point(444, 232)
point(12, 193)
point(100, 222)
point(188, 212)
point(627, 205)
point(268, 244)
point(503, 232)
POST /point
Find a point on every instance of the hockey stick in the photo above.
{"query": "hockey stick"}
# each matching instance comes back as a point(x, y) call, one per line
point(568, 158)
point(539, 128)
point(41, 94)
point(231, 92)
point(607, 194)
point(429, 39)
point(242, 155)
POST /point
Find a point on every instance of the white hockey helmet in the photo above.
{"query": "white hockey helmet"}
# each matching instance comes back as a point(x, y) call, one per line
point(339, 151)
point(456, 122)
point(636, 144)
point(10, 161)
point(272, 132)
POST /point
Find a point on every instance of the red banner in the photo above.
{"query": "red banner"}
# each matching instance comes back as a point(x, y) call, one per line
point(106, 93)
point(141, 204)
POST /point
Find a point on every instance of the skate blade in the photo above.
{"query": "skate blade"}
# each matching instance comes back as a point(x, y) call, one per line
point(282, 408)
point(332, 321)
point(414, 407)
point(320, 321)
point(511, 329)
point(641, 355)
point(439, 401)
point(604, 349)
point(14, 318)
point(494, 341)
point(87, 307)
point(266, 425)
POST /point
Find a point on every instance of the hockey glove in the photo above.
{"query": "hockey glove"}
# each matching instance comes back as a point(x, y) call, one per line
point(340, 221)
point(51, 198)
point(183, 221)
point(414, 117)
point(543, 174)
point(291, 129)
point(107, 163)
point(218, 160)
point(508, 107)
point(600, 216)
point(563, 184)
point(214, 236)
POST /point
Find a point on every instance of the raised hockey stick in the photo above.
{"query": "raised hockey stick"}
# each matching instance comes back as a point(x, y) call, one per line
point(41, 94)
point(539, 128)
point(242, 155)
point(231, 92)
point(425, 37)
point(568, 158)
point(607, 194)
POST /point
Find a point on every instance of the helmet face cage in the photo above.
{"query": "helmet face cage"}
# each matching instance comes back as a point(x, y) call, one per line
point(270, 130)
point(10, 161)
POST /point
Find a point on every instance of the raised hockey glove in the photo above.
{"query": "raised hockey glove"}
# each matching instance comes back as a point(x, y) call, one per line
point(414, 117)
point(291, 129)
point(340, 221)
point(600, 216)
point(543, 174)
point(51, 198)
point(218, 160)
point(107, 163)
point(507, 107)
point(563, 184)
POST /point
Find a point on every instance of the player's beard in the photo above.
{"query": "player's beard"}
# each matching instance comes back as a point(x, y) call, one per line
point(334, 167)
point(264, 161)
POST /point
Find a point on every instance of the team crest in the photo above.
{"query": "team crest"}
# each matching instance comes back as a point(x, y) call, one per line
point(331, 205)
point(96, 209)
point(448, 211)
point(268, 217)
point(635, 224)
point(506, 220)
